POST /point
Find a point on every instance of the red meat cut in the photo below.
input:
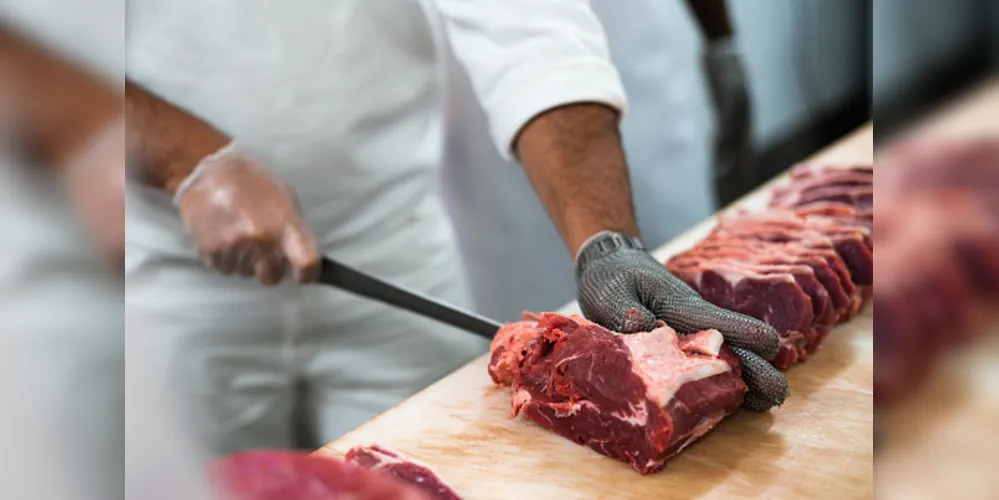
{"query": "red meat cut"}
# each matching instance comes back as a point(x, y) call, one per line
point(287, 475)
point(803, 265)
point(640, 398)
point(403, 468)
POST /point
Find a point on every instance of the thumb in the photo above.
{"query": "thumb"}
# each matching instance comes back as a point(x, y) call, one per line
point(300, 249)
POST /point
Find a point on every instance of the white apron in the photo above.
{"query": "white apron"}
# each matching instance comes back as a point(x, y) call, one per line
point(516, 259)
point(341, 100)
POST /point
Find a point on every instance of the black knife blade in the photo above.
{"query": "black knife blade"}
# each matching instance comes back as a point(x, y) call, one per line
point(346, 278)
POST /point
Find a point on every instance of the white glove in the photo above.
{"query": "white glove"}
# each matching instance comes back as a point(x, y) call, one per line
point(245, 221)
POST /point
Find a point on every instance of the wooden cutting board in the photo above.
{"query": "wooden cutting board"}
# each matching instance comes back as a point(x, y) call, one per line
point(818, 445)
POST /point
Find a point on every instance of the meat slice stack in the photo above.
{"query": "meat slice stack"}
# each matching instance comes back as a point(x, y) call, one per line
point(803, 265)
point(938, 273)
point(639, 398)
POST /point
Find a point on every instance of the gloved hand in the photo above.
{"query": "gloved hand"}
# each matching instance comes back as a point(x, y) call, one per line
point(95, 180)
point(245, 221)
point(729, 92)
point(625, 289)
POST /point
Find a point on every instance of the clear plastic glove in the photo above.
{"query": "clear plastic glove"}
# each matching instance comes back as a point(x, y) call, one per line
point(625, 289)
point(95, 178)
point(245, 221)
point(729, 91)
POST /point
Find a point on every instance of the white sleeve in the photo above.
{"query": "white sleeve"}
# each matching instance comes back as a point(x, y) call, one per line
point(527, 56)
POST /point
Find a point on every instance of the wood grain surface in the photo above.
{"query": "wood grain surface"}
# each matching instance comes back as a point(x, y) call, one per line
point(818, 445)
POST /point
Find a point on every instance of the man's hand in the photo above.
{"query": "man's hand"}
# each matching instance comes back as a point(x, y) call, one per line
point(95, 178)
point(242, 218)
point(625, 289)
point(245, 221)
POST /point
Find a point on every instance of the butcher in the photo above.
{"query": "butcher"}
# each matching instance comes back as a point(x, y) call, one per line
point(262, 136)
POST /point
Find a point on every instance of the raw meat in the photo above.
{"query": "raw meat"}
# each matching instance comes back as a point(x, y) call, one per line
point(801, 271)
point(803, 265)
point(286, 475)
point(405, 469)
point(932, 281)
point(815, 189)
point(639, 398)
point(938, 272)
point(774, 297)
point(813, 183)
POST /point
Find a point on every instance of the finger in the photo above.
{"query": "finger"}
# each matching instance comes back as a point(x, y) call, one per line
point(271, 271)
point(302, 253)
point(767, 386)
point(619, 314)
point(696, 314)
point(247, 255)
point(221, 261)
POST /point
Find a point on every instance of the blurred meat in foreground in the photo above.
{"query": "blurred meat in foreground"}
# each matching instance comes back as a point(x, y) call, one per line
point(936, 289)
point(937, 282)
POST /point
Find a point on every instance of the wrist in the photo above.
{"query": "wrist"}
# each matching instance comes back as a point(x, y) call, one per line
point(206, 164)
point(605, 243)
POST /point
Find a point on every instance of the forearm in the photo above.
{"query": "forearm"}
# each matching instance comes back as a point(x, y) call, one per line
point(164, 142)
point(712, 17)
point(54, 107)
point(574, 159)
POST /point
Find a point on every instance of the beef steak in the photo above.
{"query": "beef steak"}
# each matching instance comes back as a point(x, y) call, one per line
point(639, 398)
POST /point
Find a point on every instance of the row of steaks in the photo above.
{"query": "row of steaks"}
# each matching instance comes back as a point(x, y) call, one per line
point(803, 265)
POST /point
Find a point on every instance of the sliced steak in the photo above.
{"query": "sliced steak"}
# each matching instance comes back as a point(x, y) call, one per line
point(639, 398)
point(853, 244)
point(776, 299)
point(803, 269)
point(828, 267)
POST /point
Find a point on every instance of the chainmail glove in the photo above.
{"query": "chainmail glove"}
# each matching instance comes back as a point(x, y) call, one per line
point(624, 289)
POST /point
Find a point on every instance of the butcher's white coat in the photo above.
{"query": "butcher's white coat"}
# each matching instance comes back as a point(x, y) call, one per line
point(342, 99)
point(515, 257)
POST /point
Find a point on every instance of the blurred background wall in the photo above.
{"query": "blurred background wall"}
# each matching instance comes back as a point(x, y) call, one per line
point(809, 66)
point(926, 51)
point(806, 57)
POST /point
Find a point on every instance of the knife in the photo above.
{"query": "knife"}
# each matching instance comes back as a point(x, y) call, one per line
point(346, 278)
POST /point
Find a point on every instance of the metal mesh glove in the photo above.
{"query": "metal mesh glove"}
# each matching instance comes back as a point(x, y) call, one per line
point(626, 290)
point(245, 221)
